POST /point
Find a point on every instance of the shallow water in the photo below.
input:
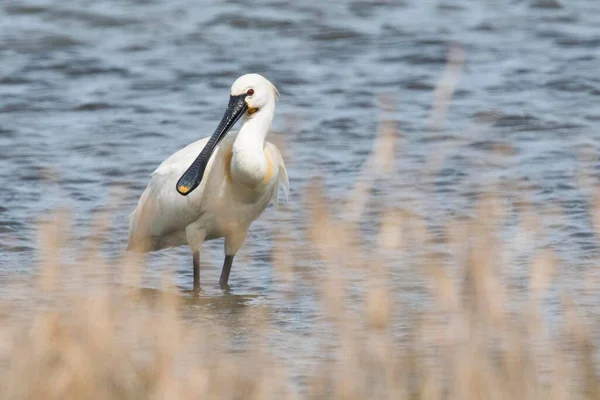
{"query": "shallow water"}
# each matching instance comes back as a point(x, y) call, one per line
point(94, 95)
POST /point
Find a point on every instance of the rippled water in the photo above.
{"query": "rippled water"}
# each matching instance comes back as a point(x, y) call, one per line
point(95, 95)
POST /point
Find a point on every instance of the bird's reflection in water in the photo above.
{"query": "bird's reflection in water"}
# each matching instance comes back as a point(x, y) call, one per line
point(200, 305)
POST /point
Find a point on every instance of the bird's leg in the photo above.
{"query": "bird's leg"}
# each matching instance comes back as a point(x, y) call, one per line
point(195, 236)
point(232, 243)
point(225, 272)
point(196, 271)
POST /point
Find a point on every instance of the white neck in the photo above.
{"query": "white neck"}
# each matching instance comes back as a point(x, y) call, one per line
point(248, 162)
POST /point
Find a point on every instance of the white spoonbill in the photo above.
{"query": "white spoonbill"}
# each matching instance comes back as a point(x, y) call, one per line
point(215, 187)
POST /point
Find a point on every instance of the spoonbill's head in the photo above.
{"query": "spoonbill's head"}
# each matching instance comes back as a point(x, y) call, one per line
point(249, 94)
point(256, 91)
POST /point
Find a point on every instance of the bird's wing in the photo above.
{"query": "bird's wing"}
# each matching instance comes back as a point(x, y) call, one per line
point(283, 180)
point(161, 215)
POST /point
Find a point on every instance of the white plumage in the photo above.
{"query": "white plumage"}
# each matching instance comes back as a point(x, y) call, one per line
point(241, 178)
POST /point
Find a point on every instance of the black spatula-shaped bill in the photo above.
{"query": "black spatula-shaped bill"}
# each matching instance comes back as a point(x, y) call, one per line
point(192, 177)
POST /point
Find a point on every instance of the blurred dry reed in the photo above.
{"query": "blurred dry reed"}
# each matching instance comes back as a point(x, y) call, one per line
point(92, 336)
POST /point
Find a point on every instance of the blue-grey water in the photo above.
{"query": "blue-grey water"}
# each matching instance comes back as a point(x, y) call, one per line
point(95, 94)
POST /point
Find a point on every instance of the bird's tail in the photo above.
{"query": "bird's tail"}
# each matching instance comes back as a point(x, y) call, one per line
point(139, 239)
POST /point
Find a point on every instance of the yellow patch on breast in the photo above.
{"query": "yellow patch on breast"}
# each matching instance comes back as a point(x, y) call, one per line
point(269, 173)
point(252, 110)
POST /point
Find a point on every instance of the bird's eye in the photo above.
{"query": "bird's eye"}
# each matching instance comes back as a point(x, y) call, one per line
point(250, 92)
